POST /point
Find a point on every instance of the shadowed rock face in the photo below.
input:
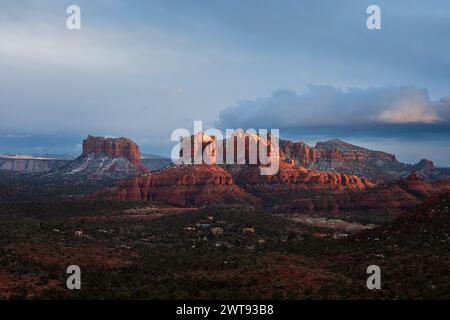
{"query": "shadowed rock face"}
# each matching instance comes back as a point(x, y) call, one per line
point(292, 189)
point(208, 184)
point(393, 196)
point(300, 178)
point(425, 225)
point(115, 147)
point(191, 185)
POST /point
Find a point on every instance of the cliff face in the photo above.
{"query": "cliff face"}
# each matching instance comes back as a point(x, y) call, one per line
point(240, 148)
point(103, 159)
point(299, 178)
point(331, 151)
point(338, 156)
point(183, 186)
point(394, 197)
point(211, 184)
point(115, 147)
point(339, 150)
point(299, 152)
point(293, 189)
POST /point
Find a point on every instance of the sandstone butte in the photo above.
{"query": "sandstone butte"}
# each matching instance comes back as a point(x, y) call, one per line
point(206, 184)
point(115, 147)
point(189, 185)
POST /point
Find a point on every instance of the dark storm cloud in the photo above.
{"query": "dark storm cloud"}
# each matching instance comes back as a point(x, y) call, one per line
point(331, 108)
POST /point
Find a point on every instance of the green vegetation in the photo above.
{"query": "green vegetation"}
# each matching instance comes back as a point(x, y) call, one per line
point(170, 255)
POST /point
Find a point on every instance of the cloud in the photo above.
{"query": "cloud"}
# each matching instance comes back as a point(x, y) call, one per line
point(413, 107)
point(326, 106)
point(415, 113)
point(13, 136)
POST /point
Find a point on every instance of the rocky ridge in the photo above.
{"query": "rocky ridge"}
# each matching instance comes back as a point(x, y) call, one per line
point(339, 156)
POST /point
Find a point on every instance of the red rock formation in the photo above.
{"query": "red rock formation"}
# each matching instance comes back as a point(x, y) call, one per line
point(294, 177)
point(190, 185)
point(336, 149)
point(394, 197)
point(298, 152)
point(115, 147)
point(193, 149)
point(294, 188)
point(207, 184)
point(332, 150)
point(339, 156)
point(235, 149)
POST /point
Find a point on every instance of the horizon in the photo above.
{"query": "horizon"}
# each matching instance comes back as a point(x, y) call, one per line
point(167, 156)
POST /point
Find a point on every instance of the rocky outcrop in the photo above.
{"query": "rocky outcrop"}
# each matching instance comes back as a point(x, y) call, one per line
point(331, 156)
point(339, 156)
point(295, 187)
point(97, 167)
point(115, 147)
point(392, 197)
point(300, 178)
point(192, 185)
point(240, 148)
point(103, 159)
point(189, 185)
point(197, 149)
point(298, 152)
point(336, 149)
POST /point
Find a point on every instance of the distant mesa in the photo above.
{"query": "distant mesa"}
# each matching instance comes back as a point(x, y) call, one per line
point(32, 164)
point(115, 147)
point(104, 159)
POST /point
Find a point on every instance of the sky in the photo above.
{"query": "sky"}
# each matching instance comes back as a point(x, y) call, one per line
point(144, 68)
